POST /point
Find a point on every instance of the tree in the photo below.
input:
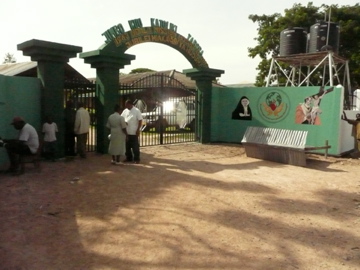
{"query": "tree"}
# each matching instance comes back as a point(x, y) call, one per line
point(270, 27)
point(140, 70)
point(9, 58)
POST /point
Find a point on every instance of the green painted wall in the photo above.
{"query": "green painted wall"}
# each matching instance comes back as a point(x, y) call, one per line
point(22, 96)
point(19, 96)
point(225, 100)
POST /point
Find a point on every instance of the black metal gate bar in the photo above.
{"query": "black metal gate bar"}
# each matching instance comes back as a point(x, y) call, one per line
point(83, 92)
point(151, 94)
point(167, 106)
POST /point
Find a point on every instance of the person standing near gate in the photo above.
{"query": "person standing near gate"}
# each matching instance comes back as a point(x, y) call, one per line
point(117, 125)
point(81, 129)
point(133, 120)
point(355, 132)
point(49, 130)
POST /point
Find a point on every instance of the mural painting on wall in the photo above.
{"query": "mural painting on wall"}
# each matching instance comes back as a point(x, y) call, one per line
point(274, 105)
point(309, 111)
point(242, 110)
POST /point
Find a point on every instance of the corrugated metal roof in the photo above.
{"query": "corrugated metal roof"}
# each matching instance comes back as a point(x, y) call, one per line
point(29, 69)
point(14, 69)
point(131, 78)
point(186, 81)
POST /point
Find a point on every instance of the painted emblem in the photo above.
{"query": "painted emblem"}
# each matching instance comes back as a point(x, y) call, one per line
point(274, 105)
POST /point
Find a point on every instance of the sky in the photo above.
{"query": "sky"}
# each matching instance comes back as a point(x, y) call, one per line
point(221, 27)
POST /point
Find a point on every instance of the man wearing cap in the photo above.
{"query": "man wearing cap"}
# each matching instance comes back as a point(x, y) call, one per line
point(27, 142)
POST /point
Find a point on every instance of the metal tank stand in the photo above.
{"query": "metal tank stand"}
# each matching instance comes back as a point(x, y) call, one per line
point(315, 62)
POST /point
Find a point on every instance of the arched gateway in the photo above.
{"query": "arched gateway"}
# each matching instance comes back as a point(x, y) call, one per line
point(117, 40)
point(111, 57)
point(108, 60)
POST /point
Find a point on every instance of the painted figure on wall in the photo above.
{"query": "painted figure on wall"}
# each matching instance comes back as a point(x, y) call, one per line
point(303, 112)
point(309, 111)
point(242, 110)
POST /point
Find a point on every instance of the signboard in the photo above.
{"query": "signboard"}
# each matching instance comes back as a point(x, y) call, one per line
point(160, 31)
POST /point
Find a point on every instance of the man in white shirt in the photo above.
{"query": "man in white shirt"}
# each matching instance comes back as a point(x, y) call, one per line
point(133, 120)
point(81, 129)
point(27, 143)
point(49, 130)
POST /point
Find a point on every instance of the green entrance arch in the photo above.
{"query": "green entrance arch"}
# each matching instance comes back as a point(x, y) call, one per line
point(111, 57)
point(159, 32)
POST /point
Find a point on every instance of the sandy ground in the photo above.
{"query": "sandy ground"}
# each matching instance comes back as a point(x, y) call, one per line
point(189, 206)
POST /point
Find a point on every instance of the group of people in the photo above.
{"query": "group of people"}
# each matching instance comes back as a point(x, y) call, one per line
point(124, 134)
point(124, 129)
point(124, 126)
point(28, 142)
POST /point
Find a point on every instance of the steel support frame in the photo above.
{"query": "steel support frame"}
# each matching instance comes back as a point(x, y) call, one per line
point(314, 62)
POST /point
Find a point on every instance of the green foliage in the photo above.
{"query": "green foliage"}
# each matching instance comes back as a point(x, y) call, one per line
point(270, 27)
point(140, 70)
point(9, 58)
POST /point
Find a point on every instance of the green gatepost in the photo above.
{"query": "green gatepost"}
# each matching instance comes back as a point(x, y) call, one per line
point(51, 58)
point(107, 66)
point(111, 57)
point(204, 78)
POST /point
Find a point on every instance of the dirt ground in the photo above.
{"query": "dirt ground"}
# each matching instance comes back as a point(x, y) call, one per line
point(189, 206)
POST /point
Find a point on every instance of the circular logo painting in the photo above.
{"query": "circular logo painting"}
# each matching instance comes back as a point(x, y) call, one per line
point(274, 105)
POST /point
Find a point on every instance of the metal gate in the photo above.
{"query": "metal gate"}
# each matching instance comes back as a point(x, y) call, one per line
point(168, 109)
point(83, 91)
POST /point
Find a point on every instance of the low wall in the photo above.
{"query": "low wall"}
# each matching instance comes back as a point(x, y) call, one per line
point(282, 107)
point(19, 96)
point(277, 107)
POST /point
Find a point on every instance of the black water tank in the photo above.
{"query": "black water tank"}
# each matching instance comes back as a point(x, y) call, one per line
point(322, 39)
point(293, 41)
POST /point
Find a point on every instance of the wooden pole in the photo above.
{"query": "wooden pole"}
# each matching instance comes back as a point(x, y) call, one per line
point(326, 149)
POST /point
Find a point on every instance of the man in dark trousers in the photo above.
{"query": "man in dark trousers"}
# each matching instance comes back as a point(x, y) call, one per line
point(27, 143)
point(133, 120)
point(81, 129)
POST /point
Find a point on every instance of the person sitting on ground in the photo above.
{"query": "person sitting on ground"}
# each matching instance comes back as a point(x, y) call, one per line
point(27, 143)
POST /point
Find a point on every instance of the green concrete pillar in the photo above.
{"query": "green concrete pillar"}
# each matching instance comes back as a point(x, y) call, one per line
point(51, 58)
point(107, 66)
point(204, 78)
